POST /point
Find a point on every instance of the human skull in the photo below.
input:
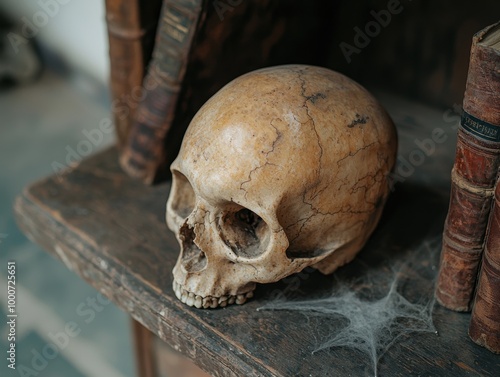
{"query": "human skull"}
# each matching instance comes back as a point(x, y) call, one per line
point(285, 167)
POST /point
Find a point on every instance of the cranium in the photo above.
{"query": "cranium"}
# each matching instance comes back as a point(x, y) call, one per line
point(284, 168)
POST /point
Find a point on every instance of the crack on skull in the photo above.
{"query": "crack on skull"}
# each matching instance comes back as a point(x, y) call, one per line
point(315, 192)
point(300, 74)
point(352, 154)
point(305, 221)
point(317, 212)
point(278, 137)
point(375, 178)
point(371, 178)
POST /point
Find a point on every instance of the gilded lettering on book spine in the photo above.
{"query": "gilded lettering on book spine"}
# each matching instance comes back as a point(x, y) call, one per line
point(480, 128)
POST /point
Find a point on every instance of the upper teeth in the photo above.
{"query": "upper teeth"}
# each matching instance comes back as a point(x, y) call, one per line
point(198, 301)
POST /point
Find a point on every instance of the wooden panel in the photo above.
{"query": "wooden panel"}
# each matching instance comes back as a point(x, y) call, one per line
point(110, 230)
point(155, 358)
point(170, 363)
point(421, 49)
point(144, 350)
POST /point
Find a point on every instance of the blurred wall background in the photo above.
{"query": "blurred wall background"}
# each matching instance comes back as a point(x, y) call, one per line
point(76, 30)
point(53, 90)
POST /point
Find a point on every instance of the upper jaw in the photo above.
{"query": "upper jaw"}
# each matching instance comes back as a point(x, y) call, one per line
point(192, 299)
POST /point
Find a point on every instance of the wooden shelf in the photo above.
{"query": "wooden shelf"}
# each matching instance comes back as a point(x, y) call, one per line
point(110, 230)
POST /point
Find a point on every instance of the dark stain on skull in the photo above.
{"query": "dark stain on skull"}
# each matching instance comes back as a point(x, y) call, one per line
point(360, 119)
point(313, 98)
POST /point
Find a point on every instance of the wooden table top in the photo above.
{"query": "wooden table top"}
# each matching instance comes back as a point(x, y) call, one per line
point(110, 230)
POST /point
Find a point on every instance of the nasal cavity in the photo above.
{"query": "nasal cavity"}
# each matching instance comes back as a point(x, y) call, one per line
point(193, 258)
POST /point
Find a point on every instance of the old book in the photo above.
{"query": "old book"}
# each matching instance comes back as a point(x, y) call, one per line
point(131, 30)
point(484, 326)
point(144, 149)
point(474, 174)
point(200, 47)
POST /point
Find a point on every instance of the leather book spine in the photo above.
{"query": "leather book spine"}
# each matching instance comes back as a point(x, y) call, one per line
point(473, 178)
point(144, 152)
point(131, 31)
point(484, 326)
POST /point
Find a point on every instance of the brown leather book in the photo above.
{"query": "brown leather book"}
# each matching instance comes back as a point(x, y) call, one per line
point(474, 174)
point(484, 326)
point(144, 150)
point(200, 47)
point(131, 30)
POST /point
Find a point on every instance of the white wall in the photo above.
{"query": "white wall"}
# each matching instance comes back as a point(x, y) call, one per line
point(75, 29)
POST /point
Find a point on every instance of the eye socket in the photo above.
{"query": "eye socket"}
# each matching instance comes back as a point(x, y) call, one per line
point(248, 219)
point(245, 233)
point(183, 198)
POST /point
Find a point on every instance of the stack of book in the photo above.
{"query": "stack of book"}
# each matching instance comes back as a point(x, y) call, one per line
point(469, 275)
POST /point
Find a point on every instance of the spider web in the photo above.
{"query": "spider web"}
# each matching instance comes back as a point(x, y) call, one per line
point(372, 326)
